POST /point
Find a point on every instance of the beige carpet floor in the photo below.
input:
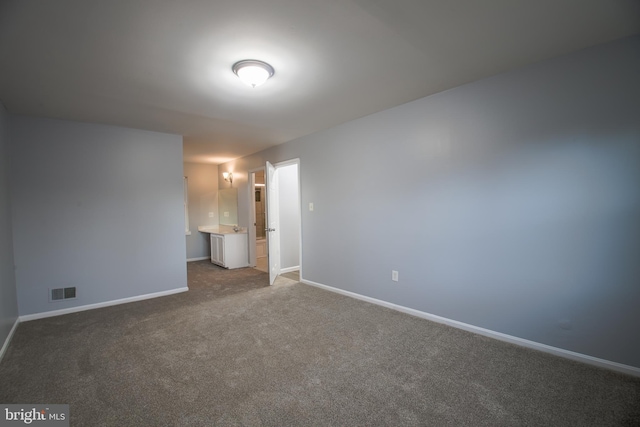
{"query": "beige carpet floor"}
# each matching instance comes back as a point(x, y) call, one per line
point(235, 352)
point(292, 275)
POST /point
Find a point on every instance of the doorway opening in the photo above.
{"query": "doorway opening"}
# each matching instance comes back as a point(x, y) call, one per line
point(259, 221)
point(275, 238)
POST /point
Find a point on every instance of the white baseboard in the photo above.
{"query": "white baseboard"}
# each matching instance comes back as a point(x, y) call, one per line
point(197, 259)
point(567, 354)
point(8, 340)
point(53, 313)
point(289, 269)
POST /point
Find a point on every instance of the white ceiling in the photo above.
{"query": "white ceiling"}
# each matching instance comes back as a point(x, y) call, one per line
point(166, 65)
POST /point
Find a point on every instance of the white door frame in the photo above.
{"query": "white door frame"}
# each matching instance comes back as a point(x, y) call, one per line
point(252, 209)
point(296, 161)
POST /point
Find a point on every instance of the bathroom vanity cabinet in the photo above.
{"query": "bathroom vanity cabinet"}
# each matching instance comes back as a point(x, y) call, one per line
point(229, 249)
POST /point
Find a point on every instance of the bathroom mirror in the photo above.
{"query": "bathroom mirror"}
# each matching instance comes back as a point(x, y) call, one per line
point(228, 206)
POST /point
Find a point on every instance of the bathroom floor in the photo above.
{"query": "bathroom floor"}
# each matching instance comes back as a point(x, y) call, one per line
point(262, 264)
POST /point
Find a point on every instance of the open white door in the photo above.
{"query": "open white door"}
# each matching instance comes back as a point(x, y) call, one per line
point(273, 232)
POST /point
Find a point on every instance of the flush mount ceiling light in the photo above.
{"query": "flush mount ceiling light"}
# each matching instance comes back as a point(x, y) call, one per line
point(253, 72)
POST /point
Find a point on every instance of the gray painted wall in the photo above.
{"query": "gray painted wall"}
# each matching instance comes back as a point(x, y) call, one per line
point(510, 203)
point(289, 212)
point(8, 299)
point(203, 198)
point(96, 207)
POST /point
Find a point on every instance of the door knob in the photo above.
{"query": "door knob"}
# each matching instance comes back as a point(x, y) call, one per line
point(269, 229)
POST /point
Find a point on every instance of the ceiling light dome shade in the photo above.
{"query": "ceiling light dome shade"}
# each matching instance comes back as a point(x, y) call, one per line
point(253, 72)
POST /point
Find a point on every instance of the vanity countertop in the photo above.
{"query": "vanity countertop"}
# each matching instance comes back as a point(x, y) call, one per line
point(221, 229)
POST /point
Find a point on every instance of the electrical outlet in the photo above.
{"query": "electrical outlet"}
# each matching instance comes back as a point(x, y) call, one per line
point(394, 275)
point(226, 214)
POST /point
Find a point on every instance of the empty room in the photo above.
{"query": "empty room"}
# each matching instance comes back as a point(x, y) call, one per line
point(320, 213)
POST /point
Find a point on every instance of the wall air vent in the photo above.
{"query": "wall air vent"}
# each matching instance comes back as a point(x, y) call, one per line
point(60, 294)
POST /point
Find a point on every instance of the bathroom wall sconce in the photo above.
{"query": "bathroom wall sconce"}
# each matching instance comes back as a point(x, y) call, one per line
point(228, 176)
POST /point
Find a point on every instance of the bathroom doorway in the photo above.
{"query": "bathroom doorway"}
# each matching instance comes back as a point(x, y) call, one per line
point(259, 220)
point(288, 222)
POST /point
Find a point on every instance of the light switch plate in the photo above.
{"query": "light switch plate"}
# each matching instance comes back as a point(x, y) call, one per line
point(210, 214)
point(311, 207)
